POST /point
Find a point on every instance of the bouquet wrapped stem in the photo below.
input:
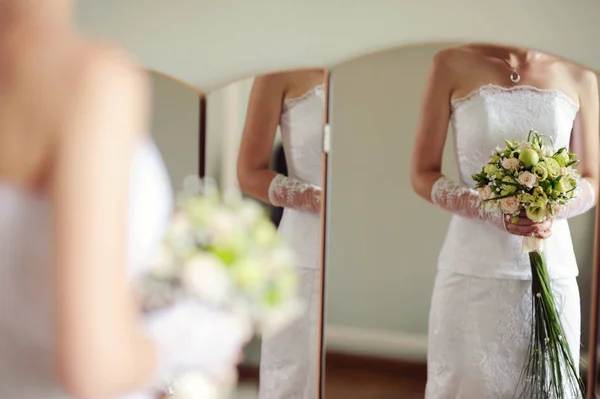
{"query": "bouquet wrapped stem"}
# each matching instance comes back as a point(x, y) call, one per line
point(531, 179)
point(550, 371)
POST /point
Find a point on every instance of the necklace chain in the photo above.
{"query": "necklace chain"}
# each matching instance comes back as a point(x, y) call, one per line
point(514, 75)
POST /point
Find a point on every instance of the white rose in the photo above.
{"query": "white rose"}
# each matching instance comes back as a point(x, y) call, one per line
point(510, 205)
point(510, 163)
point(556, 207)
point(485, 192)
point(527, 179)
point(180, 226)
point(205, 275)
point(524, 146)
point(547, 151)
point(181, 234)
point(164, 263)
point(194, 385)
point(564, 172)
point(223, 225)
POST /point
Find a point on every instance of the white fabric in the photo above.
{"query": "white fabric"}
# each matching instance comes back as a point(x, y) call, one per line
point(480, 317)
point(27, 369)
point(479, 330)
point(288, 361)
point(481, 121)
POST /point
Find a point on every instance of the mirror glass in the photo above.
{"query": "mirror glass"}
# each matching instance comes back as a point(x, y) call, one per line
point(177, 127)
point(385, 243)
point(265, 141)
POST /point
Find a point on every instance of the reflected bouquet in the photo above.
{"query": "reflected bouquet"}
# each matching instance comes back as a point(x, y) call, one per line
point(533, 179)
point(227, 256)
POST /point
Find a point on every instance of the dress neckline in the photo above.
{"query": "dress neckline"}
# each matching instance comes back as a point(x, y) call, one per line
point(290, 102)
point(494, 88)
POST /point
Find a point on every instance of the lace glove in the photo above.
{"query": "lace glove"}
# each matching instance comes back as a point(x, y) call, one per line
point(464, 201)
point(287, 192)
point(193, 337)
point(584, 200)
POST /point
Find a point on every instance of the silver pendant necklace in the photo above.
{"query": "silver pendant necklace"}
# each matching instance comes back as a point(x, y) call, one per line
point(514, 75)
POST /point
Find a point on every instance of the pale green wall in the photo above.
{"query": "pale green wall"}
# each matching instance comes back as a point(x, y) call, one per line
point(174, 127)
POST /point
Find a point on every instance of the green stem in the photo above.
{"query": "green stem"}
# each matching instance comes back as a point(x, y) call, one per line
point(550, 371)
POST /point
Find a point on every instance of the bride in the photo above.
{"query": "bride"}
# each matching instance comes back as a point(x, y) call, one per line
point(480, 317)
point(84, 197)
point(294, 101)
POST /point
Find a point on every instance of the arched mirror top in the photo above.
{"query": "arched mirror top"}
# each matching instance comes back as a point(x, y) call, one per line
point(209, 43)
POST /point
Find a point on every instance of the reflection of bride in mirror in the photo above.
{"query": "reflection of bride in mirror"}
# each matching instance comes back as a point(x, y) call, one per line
point(294, 101)
point(480, 317)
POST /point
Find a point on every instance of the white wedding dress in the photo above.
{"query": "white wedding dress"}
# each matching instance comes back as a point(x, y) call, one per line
point(289, 360)
point(480, 318)
point(27, 352)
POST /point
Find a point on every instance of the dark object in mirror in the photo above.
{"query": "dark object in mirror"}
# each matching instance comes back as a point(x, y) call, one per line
point(279, 166)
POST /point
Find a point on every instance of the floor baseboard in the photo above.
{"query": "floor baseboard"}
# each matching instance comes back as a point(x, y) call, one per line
point(339, 361)
point(376, 343)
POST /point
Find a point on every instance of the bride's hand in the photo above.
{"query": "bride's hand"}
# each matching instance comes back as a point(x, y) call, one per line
point(528, 228)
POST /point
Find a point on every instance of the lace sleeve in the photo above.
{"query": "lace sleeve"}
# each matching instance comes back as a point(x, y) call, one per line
point(584, 200)
point(464, 201)
point(287, 192)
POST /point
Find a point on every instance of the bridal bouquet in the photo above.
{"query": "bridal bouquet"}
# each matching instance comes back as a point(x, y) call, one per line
point(533, 179)
point(228, 256)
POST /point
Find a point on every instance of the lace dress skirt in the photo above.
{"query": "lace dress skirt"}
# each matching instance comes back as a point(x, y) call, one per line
point(479, 330)
point(289, 360)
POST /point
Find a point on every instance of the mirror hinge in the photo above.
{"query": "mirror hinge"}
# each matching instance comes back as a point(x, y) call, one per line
point(327, 138)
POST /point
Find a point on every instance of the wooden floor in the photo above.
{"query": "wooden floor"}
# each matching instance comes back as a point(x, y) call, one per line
point(357, 377)
point(351, 377)
point(369, 385)
point(356, 385)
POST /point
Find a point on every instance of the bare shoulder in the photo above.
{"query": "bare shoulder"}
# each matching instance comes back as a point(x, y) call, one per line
point(108, 89)
point(103, 69)
point(453, 58)
point(448, 64)
point(272, 81)
point(584, 79)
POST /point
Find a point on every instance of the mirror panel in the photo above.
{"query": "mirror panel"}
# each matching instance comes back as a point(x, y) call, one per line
point(177, 127)
point(259, 128)
point(384, 240)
